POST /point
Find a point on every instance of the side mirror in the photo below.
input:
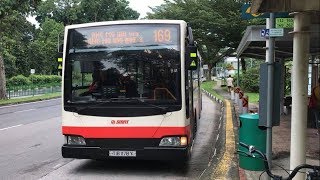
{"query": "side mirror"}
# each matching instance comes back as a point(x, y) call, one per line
point(191, 57)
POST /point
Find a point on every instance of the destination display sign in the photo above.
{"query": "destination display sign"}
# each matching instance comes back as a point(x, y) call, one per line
point(126, 35)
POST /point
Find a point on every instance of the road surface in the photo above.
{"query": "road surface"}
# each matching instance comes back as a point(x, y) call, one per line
point(30, 137)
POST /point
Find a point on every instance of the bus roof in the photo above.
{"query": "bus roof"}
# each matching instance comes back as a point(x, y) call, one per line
point(125, 22)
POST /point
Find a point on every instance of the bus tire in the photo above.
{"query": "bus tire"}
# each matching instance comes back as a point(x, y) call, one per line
point(184, 162)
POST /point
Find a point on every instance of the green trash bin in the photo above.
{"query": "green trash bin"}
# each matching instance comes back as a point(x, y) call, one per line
point(250, 133)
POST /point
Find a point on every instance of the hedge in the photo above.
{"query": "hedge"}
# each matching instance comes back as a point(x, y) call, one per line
point(21, 80)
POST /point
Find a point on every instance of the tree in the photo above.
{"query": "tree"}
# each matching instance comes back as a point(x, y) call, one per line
point(10, 14)
point(62, 11)
point(107, 10)
point(23, 47)
point(43, 49)
point(82, 11)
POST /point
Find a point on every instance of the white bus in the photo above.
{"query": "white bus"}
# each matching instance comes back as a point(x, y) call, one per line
point(130, 90)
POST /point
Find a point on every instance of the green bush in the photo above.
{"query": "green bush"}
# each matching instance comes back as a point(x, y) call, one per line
point(19, 80)
point(37, 79)
point(55, 79)
point(249, 81)
point(45, 79)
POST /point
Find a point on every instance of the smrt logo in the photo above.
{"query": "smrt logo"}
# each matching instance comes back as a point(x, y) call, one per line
point(119, 121)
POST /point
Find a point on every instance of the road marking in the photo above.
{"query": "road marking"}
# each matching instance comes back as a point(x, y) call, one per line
point(57, 166)
point(202, 173)
point(10, 127)
point(223, 166)
point(24, 110)
point(217, 137)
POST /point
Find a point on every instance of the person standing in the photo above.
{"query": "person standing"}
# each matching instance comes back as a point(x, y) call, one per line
point(229, 83)
point(314, 104)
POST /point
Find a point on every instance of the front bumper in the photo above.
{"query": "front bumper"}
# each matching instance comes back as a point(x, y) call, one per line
point(146, 153)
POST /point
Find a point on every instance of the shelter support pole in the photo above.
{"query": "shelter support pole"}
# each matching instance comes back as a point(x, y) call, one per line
point(301, 40)
point(238, 69)
point(282, 84)
point(270, 61)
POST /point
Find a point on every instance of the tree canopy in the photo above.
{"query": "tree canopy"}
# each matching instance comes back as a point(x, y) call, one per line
point(217, 27)
point(217, 24)
point(23, 47)
point(83, 11)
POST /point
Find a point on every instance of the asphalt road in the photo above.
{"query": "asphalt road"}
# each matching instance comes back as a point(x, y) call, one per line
point(30, 137)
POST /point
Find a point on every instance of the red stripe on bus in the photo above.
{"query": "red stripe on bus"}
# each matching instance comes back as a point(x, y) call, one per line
point(125, 132)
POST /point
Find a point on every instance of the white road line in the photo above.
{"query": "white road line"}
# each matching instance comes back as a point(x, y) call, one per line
point(217, 137)
point(24, 110)
point(215, 152)
point(202, 173)
point(57, 166)
point(11, 127)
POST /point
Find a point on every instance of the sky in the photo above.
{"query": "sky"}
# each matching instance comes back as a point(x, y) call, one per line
point(141, 6)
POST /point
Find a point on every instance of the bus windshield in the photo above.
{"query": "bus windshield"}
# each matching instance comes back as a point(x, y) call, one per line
point(118, 63)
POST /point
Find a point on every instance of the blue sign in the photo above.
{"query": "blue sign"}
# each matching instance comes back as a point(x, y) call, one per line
point(264, 33)
point(246, 8)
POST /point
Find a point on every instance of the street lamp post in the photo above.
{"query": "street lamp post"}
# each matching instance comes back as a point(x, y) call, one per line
point(58, 45)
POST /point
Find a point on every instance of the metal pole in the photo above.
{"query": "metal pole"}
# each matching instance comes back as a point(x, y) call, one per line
point(282, 86)
point(270, 62)
point(238, 75)
point(301, 40)
point(58, 46)
point(58, 42)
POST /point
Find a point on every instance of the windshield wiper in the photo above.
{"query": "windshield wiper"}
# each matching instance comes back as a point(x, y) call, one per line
point(79, 109)
point(163, 110)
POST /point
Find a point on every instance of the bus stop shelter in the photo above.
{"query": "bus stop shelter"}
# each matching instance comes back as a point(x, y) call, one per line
point(253, 45)
point(303, 45)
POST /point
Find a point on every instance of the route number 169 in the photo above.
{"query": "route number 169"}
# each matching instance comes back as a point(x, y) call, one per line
point(162, 35)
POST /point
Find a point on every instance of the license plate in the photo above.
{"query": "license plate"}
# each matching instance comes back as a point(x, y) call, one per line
point(122, 153)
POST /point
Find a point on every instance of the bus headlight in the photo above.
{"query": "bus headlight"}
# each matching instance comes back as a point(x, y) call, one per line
point(173, 141)
point(75, 140)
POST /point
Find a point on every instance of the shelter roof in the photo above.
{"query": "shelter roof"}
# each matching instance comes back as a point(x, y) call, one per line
point(254, 46)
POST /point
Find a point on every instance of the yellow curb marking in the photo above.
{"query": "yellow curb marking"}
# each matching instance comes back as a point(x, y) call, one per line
point(223, 166)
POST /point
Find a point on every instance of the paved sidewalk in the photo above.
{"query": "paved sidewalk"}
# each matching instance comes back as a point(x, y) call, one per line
point(281, 143)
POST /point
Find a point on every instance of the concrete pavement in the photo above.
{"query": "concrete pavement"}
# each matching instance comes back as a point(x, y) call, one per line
point(281, 145)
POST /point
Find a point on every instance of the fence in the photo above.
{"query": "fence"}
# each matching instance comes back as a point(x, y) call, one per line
point(32, 90)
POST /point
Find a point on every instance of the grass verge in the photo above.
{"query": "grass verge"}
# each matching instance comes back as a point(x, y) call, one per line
point(30, 99)
point(253, 97)
point(208, 87)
